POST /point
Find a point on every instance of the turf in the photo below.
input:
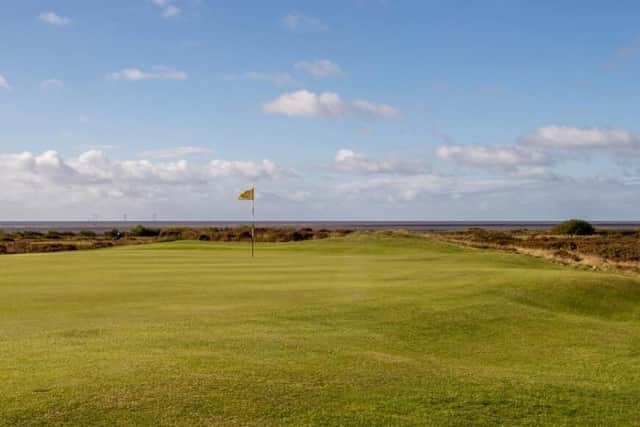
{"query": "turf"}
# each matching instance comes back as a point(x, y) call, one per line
point(365, 330)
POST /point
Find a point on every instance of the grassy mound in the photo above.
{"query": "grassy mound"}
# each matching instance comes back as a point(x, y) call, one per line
point(361, 330)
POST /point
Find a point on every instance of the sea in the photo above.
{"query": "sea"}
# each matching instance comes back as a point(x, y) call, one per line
point(102, 226)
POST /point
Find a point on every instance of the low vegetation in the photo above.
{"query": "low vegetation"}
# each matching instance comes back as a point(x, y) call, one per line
point(604, 249)
point(54, 241)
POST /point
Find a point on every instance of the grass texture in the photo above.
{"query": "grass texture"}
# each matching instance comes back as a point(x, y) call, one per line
point(370, 329)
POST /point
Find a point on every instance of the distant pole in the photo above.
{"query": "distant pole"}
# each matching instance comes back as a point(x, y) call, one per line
point(253, 222)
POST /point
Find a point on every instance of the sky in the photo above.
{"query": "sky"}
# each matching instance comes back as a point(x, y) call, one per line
point(334, 110)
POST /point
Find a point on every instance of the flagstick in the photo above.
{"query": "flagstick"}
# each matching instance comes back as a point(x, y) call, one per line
point(253, 221)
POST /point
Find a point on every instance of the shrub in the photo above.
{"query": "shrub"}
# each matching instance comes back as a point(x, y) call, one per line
point(142, 231)
point(87, 233)
point(574, 227)
point(30, 234)
point(115, 234)
point(174, 233)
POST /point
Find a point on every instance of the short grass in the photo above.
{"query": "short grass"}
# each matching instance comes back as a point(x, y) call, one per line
point(365, 330)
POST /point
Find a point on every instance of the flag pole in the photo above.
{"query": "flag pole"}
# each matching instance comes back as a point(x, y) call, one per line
point(253, 221)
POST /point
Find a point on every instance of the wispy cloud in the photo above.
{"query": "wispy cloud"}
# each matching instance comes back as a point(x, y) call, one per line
point(4, 84)
point(624, 54)
point(488, 156)
point(51, 84)
point(277, 79)
point(295, 21)
point(158, 72)
point(53, 18)
point(544, 147)
point(319, 68)
point(352, 162)
point(373, 109)
point(168, 7)
point(176, 152)
point(583, 138)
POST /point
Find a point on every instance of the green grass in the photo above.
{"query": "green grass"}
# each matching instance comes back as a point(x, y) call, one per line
point(366, 330)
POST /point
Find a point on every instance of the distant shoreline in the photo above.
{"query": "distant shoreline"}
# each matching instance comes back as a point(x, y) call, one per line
point(102, 226)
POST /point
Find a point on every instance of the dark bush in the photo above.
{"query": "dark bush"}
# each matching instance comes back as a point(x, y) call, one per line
point(142, 231)
point(574, 227)
point(30, 234)
point(88, 233)
point(114, 234)
point(244, 235)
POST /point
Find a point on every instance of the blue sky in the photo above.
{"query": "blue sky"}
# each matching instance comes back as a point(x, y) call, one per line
point(352, 109)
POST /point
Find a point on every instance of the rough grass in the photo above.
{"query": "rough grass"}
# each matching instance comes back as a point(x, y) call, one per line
point(364, 330)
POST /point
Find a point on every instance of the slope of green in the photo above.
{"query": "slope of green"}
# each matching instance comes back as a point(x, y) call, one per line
point(365, 330)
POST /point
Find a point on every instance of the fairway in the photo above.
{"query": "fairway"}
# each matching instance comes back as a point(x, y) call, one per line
point(370, 329)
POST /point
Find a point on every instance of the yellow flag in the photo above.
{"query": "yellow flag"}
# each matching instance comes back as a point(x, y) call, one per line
point(247, 194)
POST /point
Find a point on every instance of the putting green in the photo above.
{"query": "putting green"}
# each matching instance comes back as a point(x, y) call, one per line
point(365, 330)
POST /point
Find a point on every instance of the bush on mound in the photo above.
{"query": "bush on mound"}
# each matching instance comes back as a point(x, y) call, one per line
point(574, 227)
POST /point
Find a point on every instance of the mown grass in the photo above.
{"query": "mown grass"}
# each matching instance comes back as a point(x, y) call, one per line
point(364, 330)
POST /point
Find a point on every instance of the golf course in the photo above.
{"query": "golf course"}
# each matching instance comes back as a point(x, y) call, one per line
point(374, 328)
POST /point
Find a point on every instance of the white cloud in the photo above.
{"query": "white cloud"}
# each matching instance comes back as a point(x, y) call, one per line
point(168, 7)
point(92, 173)
point(372, 109)
point(4, 84)
point(51, 84)
point(158, 72)
point(298, 22)
point(52, 18)
point(488, 156)
point(306, 104)
point(170, 153)
point(303, 103)
point(352, 162)
point(319, 68)
point(586, 138)
point(278, 79)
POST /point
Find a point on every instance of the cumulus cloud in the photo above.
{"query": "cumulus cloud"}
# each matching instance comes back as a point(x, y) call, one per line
point(168, 7)
point(158, 72)
point(51, 84)
point(170, 153)
point(306, 104)
point(4, 84)
point(94, 171)
point(52, 18)
point(295, 21)
point(349, 161)
point(277, 79)
point(319, 68)
point(303, 103)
